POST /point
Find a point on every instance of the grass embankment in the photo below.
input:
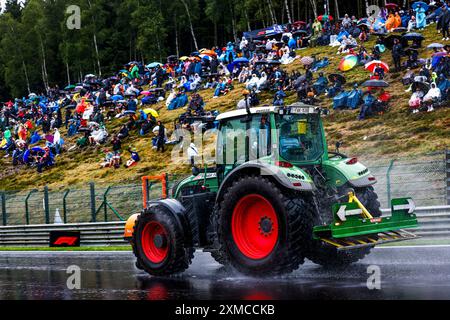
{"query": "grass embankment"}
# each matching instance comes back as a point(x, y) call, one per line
point(394, 134)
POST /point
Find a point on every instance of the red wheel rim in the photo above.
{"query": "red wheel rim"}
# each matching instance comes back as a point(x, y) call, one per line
point(254, 226)
point(154, 231)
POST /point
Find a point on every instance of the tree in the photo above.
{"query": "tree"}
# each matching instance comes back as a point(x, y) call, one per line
point(14, 8)
point(149, 23)
point(286, 4)
point(188, 12)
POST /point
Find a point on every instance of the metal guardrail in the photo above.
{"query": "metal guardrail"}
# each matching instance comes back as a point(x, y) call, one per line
point(91, 234)
point(434, 224)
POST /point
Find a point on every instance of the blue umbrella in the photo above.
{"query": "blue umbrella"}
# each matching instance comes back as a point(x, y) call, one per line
point(375, 84)
point(117, 97)
point(422, 4)
point(435, 46)
point(241, 60)
point(153, 65)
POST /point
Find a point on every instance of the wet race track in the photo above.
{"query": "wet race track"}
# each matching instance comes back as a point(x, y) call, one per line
point(406, 273)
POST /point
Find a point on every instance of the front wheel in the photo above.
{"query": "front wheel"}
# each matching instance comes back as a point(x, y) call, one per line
point(260, 230)
point(158, 243)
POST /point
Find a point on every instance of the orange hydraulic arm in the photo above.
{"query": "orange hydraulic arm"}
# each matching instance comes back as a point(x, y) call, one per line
point(161, 178)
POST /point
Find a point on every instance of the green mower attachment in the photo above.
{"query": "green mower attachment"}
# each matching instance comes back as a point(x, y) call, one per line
point(354, 227)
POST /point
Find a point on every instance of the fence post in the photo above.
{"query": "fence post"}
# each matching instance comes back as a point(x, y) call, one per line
point(388, 182)
point(4, 218)
point(93, 208)
point(105, 201)
point(65, 205)
point(27, 211)
point(447, 166)
point(46, 206)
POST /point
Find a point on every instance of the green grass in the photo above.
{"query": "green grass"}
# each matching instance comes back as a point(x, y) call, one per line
point(396, 133)
point(103, 248)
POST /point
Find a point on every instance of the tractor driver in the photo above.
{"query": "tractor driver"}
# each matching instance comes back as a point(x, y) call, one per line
point(293, 144)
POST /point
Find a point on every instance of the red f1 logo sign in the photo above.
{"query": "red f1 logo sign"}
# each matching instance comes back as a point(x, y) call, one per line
point(70, 241)
point(64, 239)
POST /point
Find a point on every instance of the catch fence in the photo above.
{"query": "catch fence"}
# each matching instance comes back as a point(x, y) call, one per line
point(427, 181)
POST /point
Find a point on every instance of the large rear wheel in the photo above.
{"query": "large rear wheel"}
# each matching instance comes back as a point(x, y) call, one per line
point(260, 230)
point(327, 255)
point(158, 243)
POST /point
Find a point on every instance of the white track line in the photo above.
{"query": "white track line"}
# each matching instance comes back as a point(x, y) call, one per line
point(416, 246)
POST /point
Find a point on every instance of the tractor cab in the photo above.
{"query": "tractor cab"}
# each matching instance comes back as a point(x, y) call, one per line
point(283, 137)
point(300, 135)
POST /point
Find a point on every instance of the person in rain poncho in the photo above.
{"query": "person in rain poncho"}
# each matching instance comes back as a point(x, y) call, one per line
point(118, 89)
point(22, 132)
point(317, 27)
point(421, 21)
point(390, 22)
point(243, 75)
point(244, 43)
point(230, 54)
point(98, 135)
point(192, 152)
point(182, 82)
point(57, 141)
point(411, 24)
point(262, 82)
point(195, 84)
point(346, 22)
point(132, 90)
point(397, 20)
point(134, 72)
point(269, 45)
point(292, 43)
point(433, 94)
point(366, 108)
point(416, 100)
point(252, 83)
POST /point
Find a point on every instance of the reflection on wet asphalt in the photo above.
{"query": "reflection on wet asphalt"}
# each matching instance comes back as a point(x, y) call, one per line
point(406, 273)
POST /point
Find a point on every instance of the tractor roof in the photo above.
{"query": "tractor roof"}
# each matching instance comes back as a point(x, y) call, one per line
point(298, 108)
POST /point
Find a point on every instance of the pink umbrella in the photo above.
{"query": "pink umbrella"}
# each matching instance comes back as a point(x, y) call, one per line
point(440, 54)
point(50, 138)
point(391, 6)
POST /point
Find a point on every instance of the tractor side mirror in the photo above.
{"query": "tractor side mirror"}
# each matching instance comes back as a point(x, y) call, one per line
point(338, 145)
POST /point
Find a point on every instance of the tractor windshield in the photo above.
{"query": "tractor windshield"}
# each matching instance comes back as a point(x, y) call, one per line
point(300, 137)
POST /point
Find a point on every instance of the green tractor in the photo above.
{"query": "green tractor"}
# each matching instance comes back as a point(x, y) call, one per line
point(275, 197)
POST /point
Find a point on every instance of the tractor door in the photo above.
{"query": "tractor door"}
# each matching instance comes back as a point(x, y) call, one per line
point(241, 140)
